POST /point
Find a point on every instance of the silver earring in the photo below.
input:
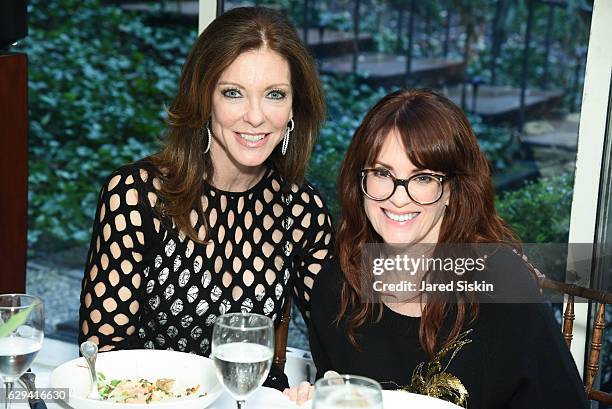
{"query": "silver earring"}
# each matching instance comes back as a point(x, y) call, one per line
point(290, 127)
point(207, 126)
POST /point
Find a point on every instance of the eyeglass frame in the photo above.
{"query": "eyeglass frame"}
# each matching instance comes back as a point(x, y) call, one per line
point(403, 182)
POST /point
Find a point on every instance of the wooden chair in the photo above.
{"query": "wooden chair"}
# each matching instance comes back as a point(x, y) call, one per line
point(600, 298)
point(280, 336)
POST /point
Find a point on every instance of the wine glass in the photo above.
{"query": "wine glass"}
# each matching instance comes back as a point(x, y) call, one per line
point(22, 324)
point(347, 392)
point(242, 350)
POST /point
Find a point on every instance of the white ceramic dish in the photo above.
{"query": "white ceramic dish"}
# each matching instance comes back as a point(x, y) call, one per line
point(395, 400)
point(401, 399)
point(187, 369)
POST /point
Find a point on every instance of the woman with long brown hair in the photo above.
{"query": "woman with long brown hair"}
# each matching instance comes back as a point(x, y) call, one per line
point(414, 183)
point(221, 219)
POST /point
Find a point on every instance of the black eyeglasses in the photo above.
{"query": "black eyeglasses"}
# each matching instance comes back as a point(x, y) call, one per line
point(423, 188)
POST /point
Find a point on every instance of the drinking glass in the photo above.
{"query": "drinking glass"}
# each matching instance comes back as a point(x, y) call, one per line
point(347, 392)
point(22, 323)
point(242, 350)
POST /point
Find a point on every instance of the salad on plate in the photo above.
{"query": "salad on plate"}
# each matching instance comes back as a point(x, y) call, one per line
point(143, 390)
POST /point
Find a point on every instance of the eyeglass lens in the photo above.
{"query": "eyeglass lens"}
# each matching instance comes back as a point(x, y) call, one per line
point(422, 189)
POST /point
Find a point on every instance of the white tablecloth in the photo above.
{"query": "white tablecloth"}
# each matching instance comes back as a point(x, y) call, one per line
point(55, 353)
point(263, 398)
point(266, 398)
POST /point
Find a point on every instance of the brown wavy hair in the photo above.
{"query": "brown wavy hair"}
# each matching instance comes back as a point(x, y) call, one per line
point(437, 136)
point(181, 164)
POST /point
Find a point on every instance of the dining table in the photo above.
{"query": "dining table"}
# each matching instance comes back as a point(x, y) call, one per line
point(55, 353)
point(267, 398)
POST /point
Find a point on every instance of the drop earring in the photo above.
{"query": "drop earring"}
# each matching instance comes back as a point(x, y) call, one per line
point(290, 127)
point(209, 133)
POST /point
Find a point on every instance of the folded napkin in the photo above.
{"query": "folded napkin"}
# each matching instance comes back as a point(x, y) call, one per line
point(263, 398)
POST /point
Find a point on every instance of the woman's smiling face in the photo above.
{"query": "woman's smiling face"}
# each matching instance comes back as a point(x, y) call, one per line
point(251, 106)
point(398, 219)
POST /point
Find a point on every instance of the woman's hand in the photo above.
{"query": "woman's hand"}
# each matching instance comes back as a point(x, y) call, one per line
point(300, 393)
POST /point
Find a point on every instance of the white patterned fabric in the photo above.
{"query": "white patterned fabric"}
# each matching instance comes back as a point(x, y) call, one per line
point(147, 285)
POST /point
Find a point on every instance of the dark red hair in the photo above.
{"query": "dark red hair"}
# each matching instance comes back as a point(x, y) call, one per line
point(437, 136)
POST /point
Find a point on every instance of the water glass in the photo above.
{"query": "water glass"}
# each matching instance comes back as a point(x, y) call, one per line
point(347, 392)
point(22, 323)
point(242, 350)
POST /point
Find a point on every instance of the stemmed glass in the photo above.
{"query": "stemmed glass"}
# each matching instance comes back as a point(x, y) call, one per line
point(347, 392)
point(22, 324)
point(242, 349)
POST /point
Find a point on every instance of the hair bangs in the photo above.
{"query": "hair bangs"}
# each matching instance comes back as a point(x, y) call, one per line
point(426, 138)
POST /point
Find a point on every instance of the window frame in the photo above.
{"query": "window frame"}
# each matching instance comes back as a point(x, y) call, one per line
point(589, 157)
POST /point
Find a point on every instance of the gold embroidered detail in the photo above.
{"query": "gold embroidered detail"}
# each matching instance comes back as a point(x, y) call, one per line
point(432, 380)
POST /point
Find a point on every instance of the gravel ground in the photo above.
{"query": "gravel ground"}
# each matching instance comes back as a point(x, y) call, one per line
point(60, 288)
point(60, 291)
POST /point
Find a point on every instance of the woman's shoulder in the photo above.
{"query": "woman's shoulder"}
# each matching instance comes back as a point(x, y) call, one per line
point(130, 170)
point(133, 184)
point(510, 276)
point(328, 281)
point(139, 175)
point(143, 167)
point(330, 277)
point(326, 289)
point(515, 302)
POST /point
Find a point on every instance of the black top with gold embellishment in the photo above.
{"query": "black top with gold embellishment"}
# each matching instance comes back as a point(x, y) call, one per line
point(513, 356)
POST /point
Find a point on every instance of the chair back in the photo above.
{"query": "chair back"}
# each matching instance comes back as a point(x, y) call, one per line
point(600, 299)
point(280, 336)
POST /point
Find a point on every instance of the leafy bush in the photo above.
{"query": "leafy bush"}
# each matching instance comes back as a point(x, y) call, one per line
point(539, 212)
point(569, 32)
point(498, 143)
point(99, 80)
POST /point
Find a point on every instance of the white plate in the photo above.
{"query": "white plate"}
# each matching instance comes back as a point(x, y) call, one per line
point(401, 400)
point(186, 369)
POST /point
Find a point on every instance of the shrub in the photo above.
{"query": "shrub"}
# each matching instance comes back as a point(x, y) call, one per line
point(99, 80)
point(539, 212)
point(497, 142)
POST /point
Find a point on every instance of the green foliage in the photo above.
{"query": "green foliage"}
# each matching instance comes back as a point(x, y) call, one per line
point(99, 81)
point(539, 212)
point(498, 143)
point(568, 31)
point(331, 16)
point(568, 36)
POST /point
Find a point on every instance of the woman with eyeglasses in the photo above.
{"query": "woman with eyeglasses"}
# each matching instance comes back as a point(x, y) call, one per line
point(415, 188)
